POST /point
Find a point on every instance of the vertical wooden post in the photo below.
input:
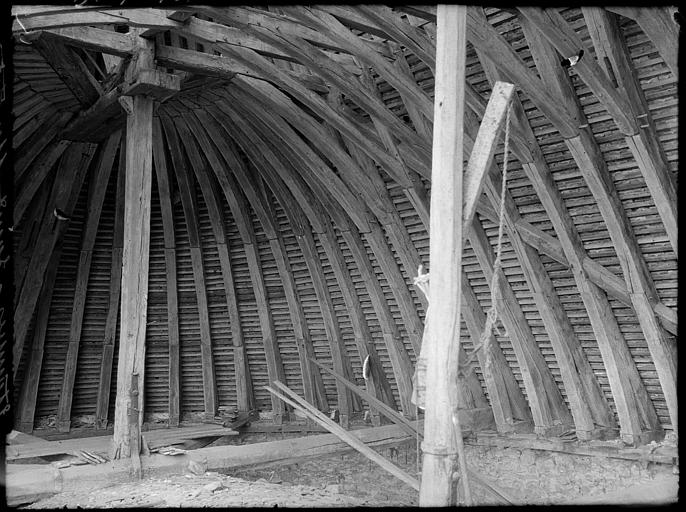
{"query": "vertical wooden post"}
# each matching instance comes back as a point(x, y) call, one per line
point(442, 435)
point(136, 254)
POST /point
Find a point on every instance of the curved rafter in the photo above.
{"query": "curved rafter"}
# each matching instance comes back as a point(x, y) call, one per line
point(327, 111)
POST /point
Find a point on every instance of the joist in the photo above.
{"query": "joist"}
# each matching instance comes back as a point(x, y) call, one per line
point(70, 175)
point(96, 197)
point(189, 202)
point(644, 145)
point(589, 159)
point(312, 382)
point(108, 343)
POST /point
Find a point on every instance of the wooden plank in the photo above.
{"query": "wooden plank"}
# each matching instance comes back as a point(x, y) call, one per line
point(611, 49)
point(135, 268)
point(104, 383)
point(483, 149)
point(164, 187)
point(312, 383)
point(190, 210)
point(37, 144)
point(436, 368)
point(96, 198)
point(95, 39)
point(68, 181)
point(311, 412)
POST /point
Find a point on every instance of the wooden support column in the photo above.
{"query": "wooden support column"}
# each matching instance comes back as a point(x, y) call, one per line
point(104, 385)
point(443, 461)
point(214, 124)
point(70, 175)
point(96, 198)
point(190, 209)
point(587, 155)
point(162, 173)
point(135, 268)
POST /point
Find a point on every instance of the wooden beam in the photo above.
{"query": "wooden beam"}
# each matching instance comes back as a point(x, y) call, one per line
point(106, 110)
point(68, 180)
point(96, 198)
point(190, 209)
point(105, 382)
point(297, 402)
point(135, 268)
point(94, 39)
point(549, 411)
point(241, 215)
point(215, 126)
point(28, 394)
point(483, 149)
point(70, 68)
point(36, 145)
point(510, 408)
point(554, 27)
point(443, 460)
point(611, 49)
point(400, 360)
point(637, 413)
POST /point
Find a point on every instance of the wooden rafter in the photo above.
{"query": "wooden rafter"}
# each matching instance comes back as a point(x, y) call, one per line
point(190, 208)
point(589, 159)
point(96, 198)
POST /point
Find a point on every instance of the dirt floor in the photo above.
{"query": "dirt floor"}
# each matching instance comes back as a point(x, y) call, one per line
point(344, 480)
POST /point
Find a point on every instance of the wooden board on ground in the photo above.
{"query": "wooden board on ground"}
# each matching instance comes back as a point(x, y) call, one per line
point(101, 444)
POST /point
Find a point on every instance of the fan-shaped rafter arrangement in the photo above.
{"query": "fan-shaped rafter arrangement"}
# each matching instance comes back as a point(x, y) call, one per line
point(289, 211)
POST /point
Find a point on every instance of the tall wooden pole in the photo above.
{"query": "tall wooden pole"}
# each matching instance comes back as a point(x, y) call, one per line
point(136, 253)
point(442, 435)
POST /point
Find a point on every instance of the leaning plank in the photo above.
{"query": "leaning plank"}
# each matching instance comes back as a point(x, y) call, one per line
point(394, 416)
point(96, 198)
point(483, 149)
point(331, 426)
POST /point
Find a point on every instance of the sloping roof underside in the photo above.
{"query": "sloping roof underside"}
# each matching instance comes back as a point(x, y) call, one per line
point(43, 101)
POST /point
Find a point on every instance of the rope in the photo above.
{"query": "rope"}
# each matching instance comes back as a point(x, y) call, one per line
point(492, 313)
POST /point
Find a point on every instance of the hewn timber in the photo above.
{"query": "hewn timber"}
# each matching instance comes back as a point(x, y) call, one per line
point(190, 210)
point(68, 180)
point(611, 49)
point(312, 382)
point(96, 198)
point(135, 268)
point(588, 157)
point(164, 187)
point(443, 454)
